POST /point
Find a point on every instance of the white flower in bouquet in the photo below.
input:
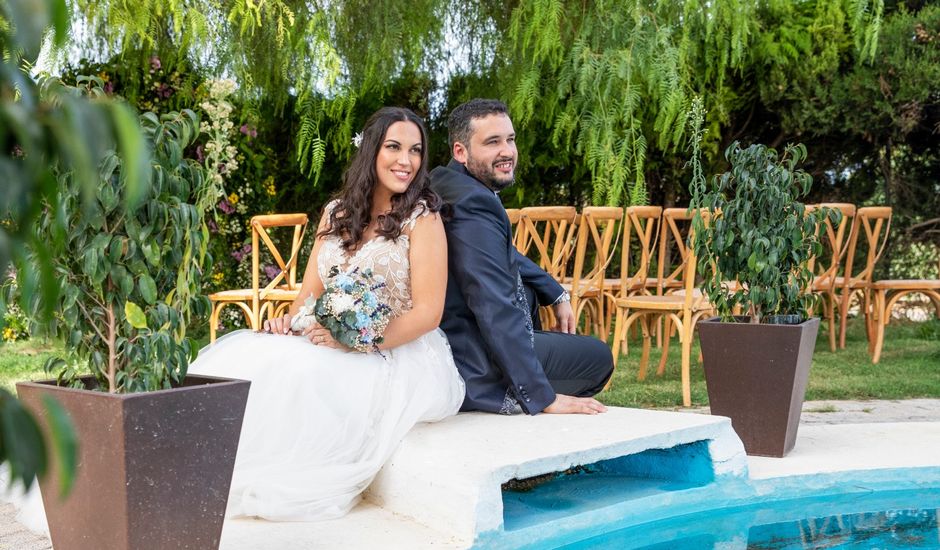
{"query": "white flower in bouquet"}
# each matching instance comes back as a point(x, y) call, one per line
point(341, 303)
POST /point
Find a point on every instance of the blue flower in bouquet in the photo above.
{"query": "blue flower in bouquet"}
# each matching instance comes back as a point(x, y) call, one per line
point(344, 282)
point(369, 300)
point(362, 320)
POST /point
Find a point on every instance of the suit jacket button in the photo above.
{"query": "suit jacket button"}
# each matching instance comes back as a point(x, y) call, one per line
point(527, 400)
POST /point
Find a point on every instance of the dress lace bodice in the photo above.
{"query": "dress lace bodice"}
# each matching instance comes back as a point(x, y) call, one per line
point(386, 258)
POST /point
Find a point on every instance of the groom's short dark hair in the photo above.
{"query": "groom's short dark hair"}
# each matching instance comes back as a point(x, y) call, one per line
point(458, 123)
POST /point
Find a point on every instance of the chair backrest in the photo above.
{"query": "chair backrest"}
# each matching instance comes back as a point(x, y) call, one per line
point(835, 242)
point(260, 231)
point(598, 231)
point(874, 222)
point(547, 235)
point(670, 264)
point(640, 233)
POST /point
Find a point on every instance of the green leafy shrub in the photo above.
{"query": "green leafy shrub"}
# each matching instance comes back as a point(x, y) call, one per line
point(758, 234)
point(130, 277)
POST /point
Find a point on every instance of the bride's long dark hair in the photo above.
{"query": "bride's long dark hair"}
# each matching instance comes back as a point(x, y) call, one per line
point(353, 211)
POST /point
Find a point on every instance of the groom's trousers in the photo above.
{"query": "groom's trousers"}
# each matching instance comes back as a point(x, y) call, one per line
point(574, 364)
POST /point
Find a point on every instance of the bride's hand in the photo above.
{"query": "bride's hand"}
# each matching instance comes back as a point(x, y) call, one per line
point(278, 325)
point(320, 336)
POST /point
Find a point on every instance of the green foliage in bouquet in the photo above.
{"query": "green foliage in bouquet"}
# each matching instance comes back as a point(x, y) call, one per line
point(130, 277)
point(758, 233)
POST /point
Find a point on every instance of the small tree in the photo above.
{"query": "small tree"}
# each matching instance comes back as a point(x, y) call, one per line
point(758, 233)
point(130, 277)
point(46, 126)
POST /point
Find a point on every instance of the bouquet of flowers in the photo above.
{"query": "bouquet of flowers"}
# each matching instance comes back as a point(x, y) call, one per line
point(349, 308)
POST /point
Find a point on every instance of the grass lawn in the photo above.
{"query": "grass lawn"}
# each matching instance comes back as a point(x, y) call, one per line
point(909, 367)
point(24, 360)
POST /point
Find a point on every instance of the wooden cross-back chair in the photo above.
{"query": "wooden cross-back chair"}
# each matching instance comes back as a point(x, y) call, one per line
point(598, 233)
point(871, 228)
point(546, 235)
point(683, 310)
point(672, 251)
point(257, 302)
point(826, 269)
point(887, 293)
point(638, 245)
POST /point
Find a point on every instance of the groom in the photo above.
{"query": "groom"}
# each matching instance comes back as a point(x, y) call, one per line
point(492, 290)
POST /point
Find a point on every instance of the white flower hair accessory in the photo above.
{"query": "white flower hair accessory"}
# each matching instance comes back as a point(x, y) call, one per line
point(357, 139)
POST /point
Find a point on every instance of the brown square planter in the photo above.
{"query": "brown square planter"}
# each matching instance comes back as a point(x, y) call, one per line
point(757, 375)
point(154, 469)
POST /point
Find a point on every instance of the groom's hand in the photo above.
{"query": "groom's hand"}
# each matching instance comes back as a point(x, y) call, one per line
point(564, 318)
point(566, 404)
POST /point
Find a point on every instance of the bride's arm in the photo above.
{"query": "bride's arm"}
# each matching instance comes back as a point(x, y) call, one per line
point(428, 259)
point(311, 284)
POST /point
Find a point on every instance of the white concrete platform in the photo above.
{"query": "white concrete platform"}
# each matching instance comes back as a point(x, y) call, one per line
point(442, 487)
point(449, 475)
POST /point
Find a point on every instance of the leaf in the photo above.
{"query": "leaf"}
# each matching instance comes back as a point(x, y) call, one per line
point(133, 150)
point(148, 289)
point(135, 316)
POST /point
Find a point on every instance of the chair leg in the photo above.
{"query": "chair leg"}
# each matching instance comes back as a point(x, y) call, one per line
point(844, 315)
point(829, 309)
point(647, 342)
point(665, 355)
point(214, 321)
point(881, 320)
point(869, 327)
point(686, 360)
point(619, 330)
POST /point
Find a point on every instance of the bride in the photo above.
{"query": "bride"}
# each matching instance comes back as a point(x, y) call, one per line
point(322, 419)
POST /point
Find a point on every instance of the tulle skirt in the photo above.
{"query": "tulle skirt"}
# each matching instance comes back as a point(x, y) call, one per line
point(320, 423)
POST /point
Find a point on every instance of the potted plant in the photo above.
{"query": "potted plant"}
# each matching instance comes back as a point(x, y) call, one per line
point(156, 447)
point(758, 234)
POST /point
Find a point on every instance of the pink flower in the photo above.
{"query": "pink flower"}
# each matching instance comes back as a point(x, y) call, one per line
point(226, 207)
point(240, 254)
point(109, 88)
point(271, 271)
point(199, 156)
point(17, 151)
point(248, 130)
point(155, 63)
point(212, 226)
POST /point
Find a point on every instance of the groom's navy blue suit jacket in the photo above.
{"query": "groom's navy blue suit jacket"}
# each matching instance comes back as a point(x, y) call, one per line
point(483, 317)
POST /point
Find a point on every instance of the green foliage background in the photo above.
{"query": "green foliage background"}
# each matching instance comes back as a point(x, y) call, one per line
point(598, 90)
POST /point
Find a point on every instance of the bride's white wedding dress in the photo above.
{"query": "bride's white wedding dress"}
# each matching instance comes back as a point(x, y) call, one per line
point(320, 422)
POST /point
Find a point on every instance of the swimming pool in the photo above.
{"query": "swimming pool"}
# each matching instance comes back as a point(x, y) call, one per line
point(603, 508)
point(885, 520)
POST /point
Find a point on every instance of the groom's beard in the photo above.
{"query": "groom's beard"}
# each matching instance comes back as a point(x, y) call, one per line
point(486, 173)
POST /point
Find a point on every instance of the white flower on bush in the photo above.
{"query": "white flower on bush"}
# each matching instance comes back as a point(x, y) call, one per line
point(342, 302)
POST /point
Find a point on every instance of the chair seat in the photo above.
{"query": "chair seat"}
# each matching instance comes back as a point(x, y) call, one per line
point(615, 284)
point(907, 284)
point(279, 294)
point(584, 290)
point(671, 302)
point(282, 295)
point(231, 295)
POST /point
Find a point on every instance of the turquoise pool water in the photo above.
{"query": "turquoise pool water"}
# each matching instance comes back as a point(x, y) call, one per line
point(877, 520)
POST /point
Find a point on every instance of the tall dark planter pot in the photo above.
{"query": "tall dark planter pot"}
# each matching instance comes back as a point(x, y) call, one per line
point(154, 469)
point(757, 375)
